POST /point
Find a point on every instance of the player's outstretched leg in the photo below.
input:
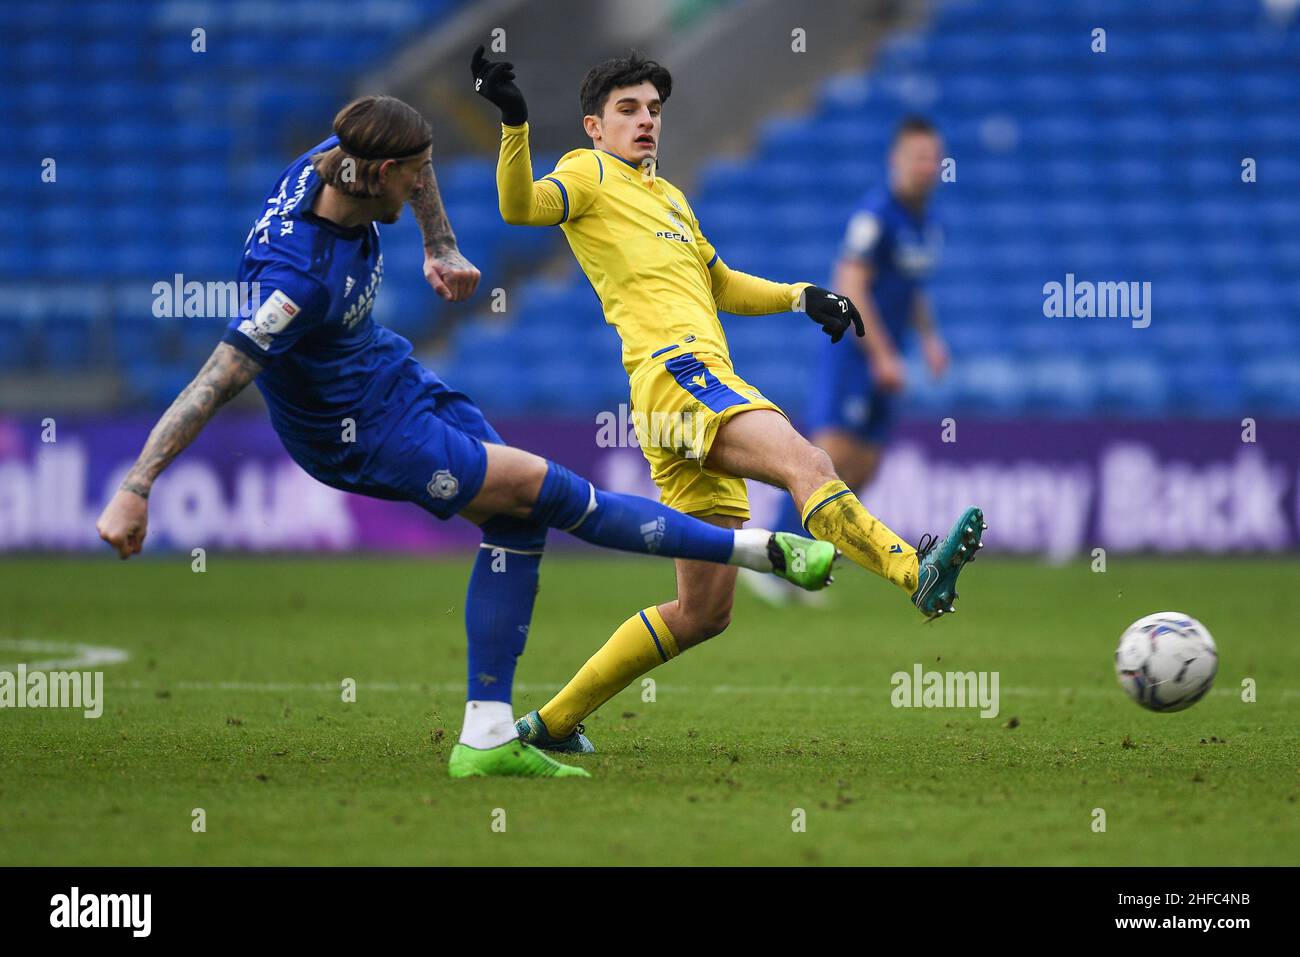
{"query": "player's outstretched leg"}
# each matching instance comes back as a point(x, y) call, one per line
point(928, 573)
point(635, 524)
point(942, 561)
point(763, 445)
point(547, 494)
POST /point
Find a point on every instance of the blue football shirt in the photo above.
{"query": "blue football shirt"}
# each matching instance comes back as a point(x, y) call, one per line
point(902, 247)
point(325, 358)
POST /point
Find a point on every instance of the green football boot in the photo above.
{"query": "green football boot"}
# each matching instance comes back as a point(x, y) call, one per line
point(942, 561)
point(805, 562)
point(514, 759)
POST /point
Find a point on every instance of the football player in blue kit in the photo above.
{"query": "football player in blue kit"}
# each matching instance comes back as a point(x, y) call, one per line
point(891, 245)
point(307, 338)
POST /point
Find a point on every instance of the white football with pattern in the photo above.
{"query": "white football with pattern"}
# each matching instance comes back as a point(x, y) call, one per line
point(1166, 661)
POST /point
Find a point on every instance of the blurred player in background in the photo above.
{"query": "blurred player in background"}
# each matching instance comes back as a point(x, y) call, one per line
point(890, 248)
point(320, 359)
point(661, 284)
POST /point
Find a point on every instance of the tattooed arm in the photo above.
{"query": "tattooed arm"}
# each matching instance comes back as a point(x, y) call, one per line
point(125, 518)
point(450, 274)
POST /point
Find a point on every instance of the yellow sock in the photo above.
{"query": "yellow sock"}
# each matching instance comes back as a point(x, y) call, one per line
point(639, 644)
point(834, 514)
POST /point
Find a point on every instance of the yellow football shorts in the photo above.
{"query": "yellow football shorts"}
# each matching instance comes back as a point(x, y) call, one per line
point(679, 400)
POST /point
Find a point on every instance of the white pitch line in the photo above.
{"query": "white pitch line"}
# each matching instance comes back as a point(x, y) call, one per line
point(413, 687)
point(82, 656)
point(85, 656)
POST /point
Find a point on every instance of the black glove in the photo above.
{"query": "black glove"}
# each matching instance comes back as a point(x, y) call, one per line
point(833, 313)
point(496, 81)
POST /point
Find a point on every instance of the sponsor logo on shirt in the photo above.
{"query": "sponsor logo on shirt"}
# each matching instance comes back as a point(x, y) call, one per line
point(366, 300)
point(280, 205)
point(681, 234)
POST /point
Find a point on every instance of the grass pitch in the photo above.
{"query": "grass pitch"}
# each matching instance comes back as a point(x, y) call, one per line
point(230, 702)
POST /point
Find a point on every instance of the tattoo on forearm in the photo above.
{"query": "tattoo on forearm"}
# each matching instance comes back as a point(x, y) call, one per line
point(226, 372)
point(429, 212)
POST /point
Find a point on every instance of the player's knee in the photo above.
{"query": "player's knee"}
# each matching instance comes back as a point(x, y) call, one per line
point(511, 484)
point(817, 463)
point(529, 477)
point(525, 481)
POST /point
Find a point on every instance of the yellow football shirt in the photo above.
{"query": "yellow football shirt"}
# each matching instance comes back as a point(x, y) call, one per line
point(660, 281)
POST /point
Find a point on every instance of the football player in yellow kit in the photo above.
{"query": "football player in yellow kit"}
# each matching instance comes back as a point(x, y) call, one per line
point(661, 284)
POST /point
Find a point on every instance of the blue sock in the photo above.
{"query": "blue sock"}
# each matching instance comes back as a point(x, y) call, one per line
point(499, 605)
point(789, 519)
point(629, 523)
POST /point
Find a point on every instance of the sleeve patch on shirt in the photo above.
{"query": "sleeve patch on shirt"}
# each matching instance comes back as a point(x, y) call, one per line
point(274, 316)
point(862, 234)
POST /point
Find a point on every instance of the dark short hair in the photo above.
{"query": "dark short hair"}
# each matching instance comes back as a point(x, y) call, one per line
point(914, 124)
point(618, 72)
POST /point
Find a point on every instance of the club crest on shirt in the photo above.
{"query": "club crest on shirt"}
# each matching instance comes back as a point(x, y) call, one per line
point(443, 485)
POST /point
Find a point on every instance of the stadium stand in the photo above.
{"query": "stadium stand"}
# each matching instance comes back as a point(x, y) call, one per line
point(1047, 183)
point(179, 168)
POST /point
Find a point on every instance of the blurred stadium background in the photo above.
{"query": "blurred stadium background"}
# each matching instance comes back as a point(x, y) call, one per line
point(1117, 166)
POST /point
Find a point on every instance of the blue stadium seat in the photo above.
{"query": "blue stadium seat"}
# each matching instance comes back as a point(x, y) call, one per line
point(1207, 386)
point(69, 343)
point(1061, 384)
point(1133, 386)
point(139, 341)
point(197, 337)
point(990, 383)
point(14, 343)
point(1274, 383)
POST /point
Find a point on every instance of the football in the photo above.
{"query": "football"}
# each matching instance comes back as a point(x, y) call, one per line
point(1166, 661)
